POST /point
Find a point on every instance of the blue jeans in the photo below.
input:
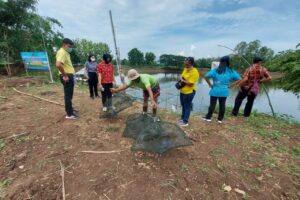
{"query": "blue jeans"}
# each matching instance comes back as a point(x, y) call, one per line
point(186, 104)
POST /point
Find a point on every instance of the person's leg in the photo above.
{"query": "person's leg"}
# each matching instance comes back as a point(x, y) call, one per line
point(249, 105)
point(182, 105)
point(156, 93)
point(222, 108)
point(104, 96)
point(212, 106)
point(68, 94)
point(238, 102)
point(95, 84)
point(109, 94)
point(188, 99)
point(90, 82)
point(145, 104)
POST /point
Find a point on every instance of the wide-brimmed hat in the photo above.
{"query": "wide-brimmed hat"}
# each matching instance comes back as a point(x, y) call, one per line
point(133, 74)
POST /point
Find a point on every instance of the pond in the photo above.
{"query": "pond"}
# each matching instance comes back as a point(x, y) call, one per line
point(284, 103)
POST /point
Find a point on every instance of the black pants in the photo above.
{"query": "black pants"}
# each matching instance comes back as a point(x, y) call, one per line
point(238, 102)
point(106, 94)
point(93, 84)
point(68, 92)
point(212, 106)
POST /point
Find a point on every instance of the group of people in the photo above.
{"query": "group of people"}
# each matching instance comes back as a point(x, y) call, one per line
point(223, 77)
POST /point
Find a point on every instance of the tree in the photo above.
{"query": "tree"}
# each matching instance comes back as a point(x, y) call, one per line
point(288, 62)
point(150, 58)
point(124, 61)
point(168, 60)
point(135, 57)
point(84, 48)
point(22, 30)
point(249, 51)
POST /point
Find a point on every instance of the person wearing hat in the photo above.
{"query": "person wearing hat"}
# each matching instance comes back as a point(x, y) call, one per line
point(106, 80)
point(66, 73)
point(189, 78)
point(222, 77)
point(147, 83)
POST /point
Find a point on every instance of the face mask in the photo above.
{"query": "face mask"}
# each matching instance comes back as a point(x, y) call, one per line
point(93, 59)
point(69, 50)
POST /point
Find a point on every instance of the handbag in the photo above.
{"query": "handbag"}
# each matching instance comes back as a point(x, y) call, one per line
point(180, 84)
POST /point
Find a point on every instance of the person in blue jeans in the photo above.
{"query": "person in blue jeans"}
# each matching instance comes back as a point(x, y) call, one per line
point(189, 78)
point(222, 77)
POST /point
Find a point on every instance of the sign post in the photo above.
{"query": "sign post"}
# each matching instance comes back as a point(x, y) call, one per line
point(36, 61)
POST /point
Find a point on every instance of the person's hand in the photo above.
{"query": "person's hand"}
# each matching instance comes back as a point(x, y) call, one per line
point(100, 87)
point(154, 104)
point(240, 89)
point(66, 78)
point(114, 90)
point(182, 80)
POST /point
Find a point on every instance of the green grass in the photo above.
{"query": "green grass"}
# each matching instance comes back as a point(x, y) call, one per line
point(170, 183)
point(256, 170)
point(2, 144)
point(269, 161)
point(3, 186)
point(217, 151)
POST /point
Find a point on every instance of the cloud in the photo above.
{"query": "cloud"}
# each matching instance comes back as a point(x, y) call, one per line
point(173, 26)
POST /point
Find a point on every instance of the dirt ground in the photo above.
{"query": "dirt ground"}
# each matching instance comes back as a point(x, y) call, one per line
point(257, 158)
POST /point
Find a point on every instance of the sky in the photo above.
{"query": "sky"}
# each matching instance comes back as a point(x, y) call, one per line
point(179, 27)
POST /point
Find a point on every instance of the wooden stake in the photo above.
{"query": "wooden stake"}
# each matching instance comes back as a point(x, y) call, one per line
point(102, 152)
point(37, 97)
point(62, 173)
point(18, 135)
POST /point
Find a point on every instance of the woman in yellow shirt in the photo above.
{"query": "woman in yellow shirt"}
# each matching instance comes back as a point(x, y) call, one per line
point(189, 78)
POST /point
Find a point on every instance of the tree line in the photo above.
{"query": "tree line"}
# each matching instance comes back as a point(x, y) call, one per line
point(22, 29)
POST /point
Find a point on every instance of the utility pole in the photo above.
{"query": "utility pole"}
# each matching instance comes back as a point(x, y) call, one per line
point(116, 48)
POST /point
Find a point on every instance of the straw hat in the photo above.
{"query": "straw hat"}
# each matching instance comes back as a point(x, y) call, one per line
point(133, 74)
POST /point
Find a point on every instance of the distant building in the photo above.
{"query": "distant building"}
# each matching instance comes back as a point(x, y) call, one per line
point(215, 64)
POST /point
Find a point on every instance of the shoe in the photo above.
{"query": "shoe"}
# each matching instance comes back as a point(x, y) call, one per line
point(233, 115)
point(182, 124)
point(179, 120)
point(104, 109)
point(92, 97)
point(71, 117)
point(220, 121)
point(205, 119)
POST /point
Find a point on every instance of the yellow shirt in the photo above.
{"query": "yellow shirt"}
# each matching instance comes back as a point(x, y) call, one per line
point(191, 76)
point(64, 57)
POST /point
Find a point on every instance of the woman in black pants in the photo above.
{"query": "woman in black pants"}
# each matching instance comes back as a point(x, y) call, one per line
point(222, 77)
point(106, 79)
point(91, 73)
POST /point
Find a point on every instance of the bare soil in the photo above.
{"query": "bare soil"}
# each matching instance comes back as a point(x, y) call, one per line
point(258, 156)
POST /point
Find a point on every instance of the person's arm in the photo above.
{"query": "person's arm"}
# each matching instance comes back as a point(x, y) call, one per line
point(267, 76)
point(149, 89)
point(234, 83)
point(60, 67)
point(236, 79)
point(208, 81)
point(208, 75)
point(122, 88)
point(86, 71)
